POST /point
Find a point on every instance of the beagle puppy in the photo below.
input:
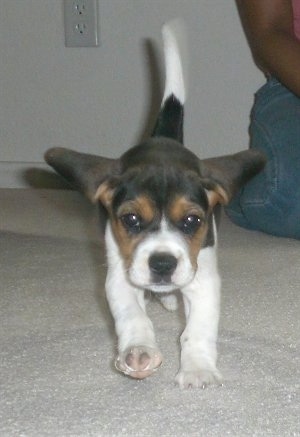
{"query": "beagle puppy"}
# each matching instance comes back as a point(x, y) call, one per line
point(162, 206)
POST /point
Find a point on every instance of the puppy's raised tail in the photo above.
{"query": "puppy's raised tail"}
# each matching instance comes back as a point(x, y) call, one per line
point(170, 118)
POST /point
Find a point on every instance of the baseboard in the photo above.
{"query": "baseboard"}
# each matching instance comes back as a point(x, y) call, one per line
point(29, 175)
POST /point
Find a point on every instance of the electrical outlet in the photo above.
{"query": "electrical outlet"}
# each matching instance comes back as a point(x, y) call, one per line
point(81, 23)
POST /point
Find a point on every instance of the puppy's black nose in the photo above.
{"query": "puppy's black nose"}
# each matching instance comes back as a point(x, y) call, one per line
point(162, 264)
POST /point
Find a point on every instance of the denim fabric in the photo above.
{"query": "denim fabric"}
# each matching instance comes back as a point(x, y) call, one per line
point(271, 201)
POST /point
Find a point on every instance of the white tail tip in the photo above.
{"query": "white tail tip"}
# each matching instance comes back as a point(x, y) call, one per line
point(175, 50)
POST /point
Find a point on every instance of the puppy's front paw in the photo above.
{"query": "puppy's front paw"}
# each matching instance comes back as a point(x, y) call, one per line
point(198, 378)
point(139, 361)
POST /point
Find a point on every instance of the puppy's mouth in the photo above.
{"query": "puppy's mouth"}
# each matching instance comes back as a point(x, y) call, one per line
point(162, 286)
point(166, 285)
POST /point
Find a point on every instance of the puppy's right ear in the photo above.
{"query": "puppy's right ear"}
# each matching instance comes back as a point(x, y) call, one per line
point(87, 173)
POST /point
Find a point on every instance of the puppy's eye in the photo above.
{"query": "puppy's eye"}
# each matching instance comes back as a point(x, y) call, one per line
point(190, 224)
point(132, 222)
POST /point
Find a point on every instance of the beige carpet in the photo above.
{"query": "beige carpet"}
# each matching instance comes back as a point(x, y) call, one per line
point(57, 338)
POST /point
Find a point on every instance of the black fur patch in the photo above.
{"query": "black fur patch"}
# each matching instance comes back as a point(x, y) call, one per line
point(160, 152)
point(159, 186)
point(170, 120)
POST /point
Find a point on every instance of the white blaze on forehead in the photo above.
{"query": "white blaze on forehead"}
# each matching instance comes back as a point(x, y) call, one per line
point(166, 240)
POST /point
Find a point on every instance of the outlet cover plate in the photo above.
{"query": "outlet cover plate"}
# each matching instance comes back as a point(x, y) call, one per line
point(81, 23)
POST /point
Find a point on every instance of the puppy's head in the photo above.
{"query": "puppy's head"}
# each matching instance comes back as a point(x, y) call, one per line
point(160, 208)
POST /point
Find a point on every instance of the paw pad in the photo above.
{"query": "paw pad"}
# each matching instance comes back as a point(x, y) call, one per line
point(139, 362)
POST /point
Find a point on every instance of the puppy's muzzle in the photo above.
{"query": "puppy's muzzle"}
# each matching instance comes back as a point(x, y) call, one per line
point(162, 265)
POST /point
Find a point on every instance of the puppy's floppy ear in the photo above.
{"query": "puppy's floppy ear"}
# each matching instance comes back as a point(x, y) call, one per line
point(227, 174)
point(83, 171)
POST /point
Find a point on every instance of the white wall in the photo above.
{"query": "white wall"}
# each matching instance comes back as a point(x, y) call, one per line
point(101, 100)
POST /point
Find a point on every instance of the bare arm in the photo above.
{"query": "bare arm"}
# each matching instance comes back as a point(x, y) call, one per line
point(268, 25)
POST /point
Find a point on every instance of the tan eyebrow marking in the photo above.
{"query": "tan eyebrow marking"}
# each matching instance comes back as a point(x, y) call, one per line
point(142, 205)
point(181, 207)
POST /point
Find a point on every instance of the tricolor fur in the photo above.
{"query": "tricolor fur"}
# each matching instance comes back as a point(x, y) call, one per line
point(162, 204)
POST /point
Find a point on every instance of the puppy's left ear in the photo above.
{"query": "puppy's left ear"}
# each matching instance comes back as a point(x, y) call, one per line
point(83, 171)
point(227, 174)
point(105, 191)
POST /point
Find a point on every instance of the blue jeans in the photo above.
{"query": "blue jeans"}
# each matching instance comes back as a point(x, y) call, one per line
point(271, 201)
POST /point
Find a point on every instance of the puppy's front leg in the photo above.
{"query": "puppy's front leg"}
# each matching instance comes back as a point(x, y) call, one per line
point(138, 354)
point(198, 341)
